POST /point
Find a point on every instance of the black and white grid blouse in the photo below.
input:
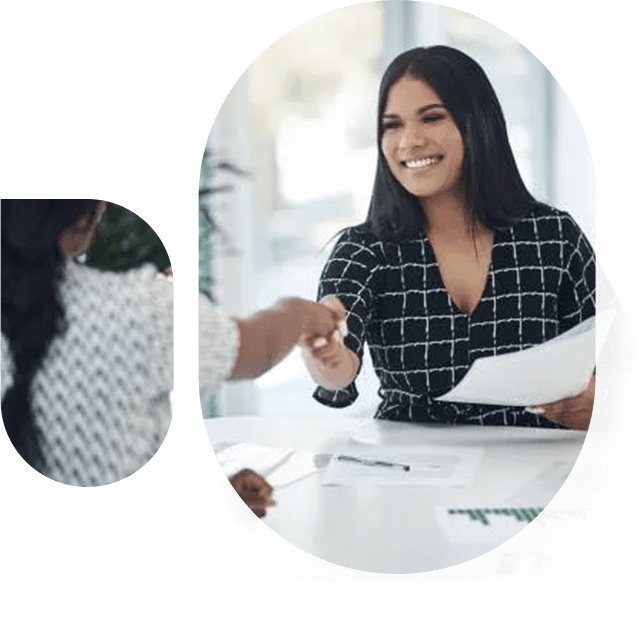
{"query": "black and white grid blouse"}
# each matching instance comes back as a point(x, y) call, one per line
point(541, 282)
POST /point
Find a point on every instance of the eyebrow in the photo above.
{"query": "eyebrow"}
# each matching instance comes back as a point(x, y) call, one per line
point(420, 111)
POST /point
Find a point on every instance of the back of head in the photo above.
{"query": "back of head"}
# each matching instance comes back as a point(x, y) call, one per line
point(495, 193)
point(32, 314)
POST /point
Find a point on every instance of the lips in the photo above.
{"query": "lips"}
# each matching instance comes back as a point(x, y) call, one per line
point(423, 162)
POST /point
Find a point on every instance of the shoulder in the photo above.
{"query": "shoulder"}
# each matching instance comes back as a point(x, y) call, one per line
point(88, 274)
point(138, 298)
point(358, 236)
point(141, 281)
point(358, 245)
point(546, 223)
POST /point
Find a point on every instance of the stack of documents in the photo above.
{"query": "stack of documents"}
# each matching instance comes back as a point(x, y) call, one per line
point(557, 369)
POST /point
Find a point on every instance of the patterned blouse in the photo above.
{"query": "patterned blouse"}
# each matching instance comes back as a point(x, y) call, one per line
point(219, 339)
point(541, 282)
point(101, 398)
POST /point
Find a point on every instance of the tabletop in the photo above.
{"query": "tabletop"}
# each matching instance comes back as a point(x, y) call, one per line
point(502, 478)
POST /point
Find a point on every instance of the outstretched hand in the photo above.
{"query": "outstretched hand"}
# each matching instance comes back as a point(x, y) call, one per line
point(326, 320)
point(331, 363)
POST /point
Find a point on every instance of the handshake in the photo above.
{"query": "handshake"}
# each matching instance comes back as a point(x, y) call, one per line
point(324, 331)
point(268, 336)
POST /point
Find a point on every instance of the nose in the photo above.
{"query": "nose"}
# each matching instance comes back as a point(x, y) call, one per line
point(410, 137)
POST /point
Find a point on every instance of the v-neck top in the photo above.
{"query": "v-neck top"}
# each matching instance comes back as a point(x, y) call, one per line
point(541, 282)
point(479, 294)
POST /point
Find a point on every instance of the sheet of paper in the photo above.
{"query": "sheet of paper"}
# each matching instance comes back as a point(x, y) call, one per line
point(554, 370)
point(476, 524)
point(298, 466)
point(360, 462)
point(280, 467)
point(233, 457)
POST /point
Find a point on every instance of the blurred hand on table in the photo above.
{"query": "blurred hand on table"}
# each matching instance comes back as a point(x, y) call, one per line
point(255, 491)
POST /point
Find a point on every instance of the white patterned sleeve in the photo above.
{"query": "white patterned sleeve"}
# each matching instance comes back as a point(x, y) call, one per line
point(219, 340)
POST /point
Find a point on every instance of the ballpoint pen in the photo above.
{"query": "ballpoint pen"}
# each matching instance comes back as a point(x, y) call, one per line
point(374, 462)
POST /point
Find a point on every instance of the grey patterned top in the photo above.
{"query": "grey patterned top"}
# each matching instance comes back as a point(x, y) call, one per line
point(219, 340)
point(540, 283)
point(102, 396)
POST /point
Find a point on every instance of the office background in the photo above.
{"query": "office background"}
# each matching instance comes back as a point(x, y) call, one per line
point(301, 123)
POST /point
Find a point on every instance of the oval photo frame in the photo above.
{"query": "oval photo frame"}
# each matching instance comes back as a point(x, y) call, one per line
point(471, 590)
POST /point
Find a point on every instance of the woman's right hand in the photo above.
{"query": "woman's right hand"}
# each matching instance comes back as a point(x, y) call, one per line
point(328, 352)
point(322, 321)
point(330, 362)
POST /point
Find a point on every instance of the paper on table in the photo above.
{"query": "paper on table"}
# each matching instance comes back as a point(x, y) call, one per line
point(298, 466)
point(233, 457)
point(483, 524)
point(280, 467)
point(549, 372)
point(386, 465)
point(477, 524)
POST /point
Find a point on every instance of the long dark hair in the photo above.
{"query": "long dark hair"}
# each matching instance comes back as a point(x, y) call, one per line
point(32, 313)
point(495, 193)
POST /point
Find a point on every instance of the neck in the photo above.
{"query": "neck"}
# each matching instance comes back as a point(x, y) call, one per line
point(447, 215)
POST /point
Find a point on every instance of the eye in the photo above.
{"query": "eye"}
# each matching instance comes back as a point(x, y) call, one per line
point(390, 124)
point(433, 117)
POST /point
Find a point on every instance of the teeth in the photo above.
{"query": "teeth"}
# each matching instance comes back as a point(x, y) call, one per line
point(420, 163)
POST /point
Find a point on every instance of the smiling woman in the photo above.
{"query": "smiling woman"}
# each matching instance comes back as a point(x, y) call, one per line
point(456, 260)
point(421, 142)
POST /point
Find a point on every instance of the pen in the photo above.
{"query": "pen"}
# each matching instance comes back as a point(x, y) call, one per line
point(357, 459)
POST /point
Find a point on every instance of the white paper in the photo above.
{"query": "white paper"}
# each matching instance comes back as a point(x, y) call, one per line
point(384, 465)
point(233, 457)
point(549, 372)
point(298, 466)
point(280, 467)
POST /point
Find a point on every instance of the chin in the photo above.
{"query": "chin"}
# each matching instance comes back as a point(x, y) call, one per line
point(423, 192)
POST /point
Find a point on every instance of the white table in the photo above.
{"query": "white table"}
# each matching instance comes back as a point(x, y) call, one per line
point(395, 529)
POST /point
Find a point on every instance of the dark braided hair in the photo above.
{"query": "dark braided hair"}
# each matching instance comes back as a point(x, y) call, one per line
point(32, 313)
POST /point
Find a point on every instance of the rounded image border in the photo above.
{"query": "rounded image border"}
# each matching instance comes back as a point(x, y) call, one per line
point(605, 457)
